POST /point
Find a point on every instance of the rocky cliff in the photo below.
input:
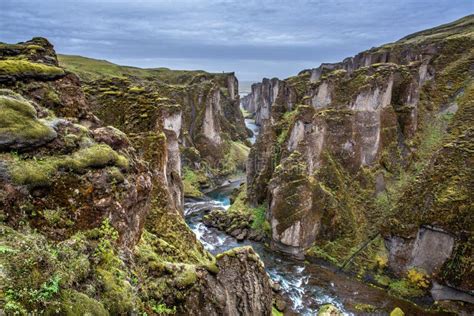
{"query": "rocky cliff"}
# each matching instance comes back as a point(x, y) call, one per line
point(90, 215)
point(208, 126)
point(355, 160)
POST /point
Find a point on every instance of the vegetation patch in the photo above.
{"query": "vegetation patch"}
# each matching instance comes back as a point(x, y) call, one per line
point(191, 182)
point(38, 172)
point(235, 159)
point(19, 125)
point(24, 68)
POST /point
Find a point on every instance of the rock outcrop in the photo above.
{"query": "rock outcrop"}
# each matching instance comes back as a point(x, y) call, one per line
point(369, 146)
point(90, 209)
point(237, 289)
point(260, 100)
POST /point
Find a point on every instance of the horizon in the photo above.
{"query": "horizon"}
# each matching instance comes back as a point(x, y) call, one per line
point(255, 40)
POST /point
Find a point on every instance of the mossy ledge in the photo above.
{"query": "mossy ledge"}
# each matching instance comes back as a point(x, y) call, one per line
point(12, 70)
point(38, 172)
point(19, 124)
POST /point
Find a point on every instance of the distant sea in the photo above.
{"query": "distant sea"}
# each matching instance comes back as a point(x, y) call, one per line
point(245, 87)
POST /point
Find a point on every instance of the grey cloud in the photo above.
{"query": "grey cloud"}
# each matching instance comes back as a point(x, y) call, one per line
point(255, 38)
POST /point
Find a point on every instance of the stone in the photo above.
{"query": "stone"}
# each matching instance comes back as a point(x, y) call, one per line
point(441, 292)
point(241, 287)
point(111, 136)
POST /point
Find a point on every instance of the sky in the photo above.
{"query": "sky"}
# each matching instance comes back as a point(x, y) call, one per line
point(255, 39)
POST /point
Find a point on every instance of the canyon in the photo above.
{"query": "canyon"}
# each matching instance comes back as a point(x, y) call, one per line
point(346, 189)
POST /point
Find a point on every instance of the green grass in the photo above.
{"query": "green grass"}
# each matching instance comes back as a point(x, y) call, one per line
point(90, 69)
point(259, 219)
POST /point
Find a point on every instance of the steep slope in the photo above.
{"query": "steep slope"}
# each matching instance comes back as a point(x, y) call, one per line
point(90, 221)
point(209, 126)
point(356, 160)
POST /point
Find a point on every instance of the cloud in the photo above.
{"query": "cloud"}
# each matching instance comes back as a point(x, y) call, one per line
point(256, 37)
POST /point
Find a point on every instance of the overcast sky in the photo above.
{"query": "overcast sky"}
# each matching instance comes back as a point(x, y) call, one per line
point(253, 38)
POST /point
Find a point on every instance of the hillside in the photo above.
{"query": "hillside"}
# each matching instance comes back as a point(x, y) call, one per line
point(90, 69)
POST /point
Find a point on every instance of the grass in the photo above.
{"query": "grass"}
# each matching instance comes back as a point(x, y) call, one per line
point(89, 69)
point(259, 219)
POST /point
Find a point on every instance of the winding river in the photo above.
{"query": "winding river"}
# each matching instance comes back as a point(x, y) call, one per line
point(307, 285)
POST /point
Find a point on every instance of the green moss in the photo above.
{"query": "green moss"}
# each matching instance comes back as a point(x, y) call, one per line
point(329, 310)
point(38, 172)
point(367, 308)
point(235, 159)
point(96, 156)
point(37, 273)
point(191, 183)
point(162, 309)
point(405, 288)
point(74, 303)
point(136, 89)
point(187, 276)
point(18, 122)
point(27, 68)
point(118, 296)
point(31, 172)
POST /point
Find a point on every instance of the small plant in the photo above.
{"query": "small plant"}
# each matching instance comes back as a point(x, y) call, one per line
point(108, 235)
point(162, 309)
point(258, 217)
point(49, 288)
point(418, 278)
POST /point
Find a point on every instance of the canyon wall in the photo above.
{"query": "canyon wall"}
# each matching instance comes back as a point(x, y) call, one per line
point(211, 139)
point(360, 156)
point(91, 194)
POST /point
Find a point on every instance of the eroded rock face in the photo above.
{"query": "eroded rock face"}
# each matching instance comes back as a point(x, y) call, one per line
point(340, 138)
point(260, 100)
point(241, 287)
point(445, 293)
point(428, 251)
point(172, 125)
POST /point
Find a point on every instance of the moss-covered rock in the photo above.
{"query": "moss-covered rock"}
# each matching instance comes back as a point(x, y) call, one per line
point(329, 310)
point(11, 70)
point(19, 124)
point(33, 172)
point(74, 303)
